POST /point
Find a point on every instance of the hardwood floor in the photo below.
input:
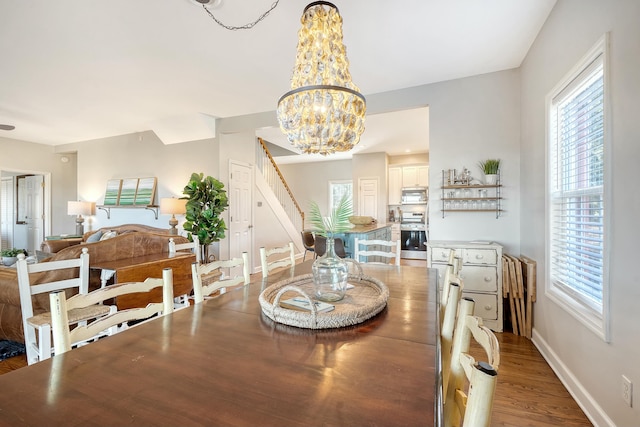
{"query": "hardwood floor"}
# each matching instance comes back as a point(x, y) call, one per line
point(528, 394)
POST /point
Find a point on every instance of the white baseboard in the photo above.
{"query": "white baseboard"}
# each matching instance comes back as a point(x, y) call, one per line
point(587, 403)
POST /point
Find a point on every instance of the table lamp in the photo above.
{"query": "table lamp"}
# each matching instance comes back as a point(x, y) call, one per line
point(80, 208)
point(172, 206)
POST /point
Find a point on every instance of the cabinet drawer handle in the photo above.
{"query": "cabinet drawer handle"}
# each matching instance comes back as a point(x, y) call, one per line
point(443, 255)
point(479, 256)
point(487, 279)
point(488, 307)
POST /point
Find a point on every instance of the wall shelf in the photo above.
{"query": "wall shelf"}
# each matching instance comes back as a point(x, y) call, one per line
point(107, 209)
point(470, 197)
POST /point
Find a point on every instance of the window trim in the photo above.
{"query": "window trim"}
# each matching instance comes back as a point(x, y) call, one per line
point(598, 323)
point(330, 192)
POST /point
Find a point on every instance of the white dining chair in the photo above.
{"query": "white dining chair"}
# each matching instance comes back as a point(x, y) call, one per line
point(182, 301)
point(193, 246)
point(199, 272)
point(389, 249)
point(468, 398)
point(59, 276)
point(269, 264)
point(64, 337)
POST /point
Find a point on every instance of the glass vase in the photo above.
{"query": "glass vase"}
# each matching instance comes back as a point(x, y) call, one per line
point(330, 274)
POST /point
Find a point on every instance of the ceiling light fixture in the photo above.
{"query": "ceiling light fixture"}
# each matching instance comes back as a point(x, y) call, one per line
point(324, 111)
point(215, 4)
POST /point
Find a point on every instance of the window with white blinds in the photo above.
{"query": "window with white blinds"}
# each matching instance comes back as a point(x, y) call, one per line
point(577, 209)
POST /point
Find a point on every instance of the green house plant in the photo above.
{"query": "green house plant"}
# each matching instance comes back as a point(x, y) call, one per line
point(10, 256)
point(336, 222)
point(206, 201)
point(330, 272)
point(490, 168)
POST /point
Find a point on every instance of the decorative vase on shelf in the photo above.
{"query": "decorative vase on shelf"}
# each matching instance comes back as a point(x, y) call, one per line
point(8, 261)
point(330, 274)
point(491, 179)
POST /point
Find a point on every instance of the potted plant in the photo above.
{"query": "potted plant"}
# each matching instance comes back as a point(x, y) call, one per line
point(206, 201)
point(330, 272)
point(490, 168)
point(10, 256)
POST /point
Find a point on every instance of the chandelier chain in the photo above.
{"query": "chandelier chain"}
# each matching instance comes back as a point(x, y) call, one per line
point(245, 26)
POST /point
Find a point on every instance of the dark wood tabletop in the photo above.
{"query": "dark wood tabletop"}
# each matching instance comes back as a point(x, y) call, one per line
point(224, 363)
point(137, 269)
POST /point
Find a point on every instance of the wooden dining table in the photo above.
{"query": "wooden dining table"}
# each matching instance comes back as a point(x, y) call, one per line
point(225, 363)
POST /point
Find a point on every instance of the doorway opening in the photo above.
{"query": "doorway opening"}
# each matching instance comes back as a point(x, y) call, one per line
point(25, 209)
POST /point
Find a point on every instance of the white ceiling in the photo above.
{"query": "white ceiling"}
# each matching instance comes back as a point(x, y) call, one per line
point(76, 70)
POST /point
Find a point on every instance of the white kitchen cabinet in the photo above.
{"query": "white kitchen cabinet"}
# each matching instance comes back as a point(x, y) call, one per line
point(415, 176)
point(481, 274)
point(395, 185)
point(406, 176)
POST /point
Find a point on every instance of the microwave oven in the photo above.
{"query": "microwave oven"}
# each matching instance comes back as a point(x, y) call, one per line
point(414, 195)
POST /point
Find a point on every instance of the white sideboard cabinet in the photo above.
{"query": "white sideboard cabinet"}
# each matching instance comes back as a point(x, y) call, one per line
point(481, 274)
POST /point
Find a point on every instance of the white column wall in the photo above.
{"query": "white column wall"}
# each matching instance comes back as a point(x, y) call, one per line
point(591, 368)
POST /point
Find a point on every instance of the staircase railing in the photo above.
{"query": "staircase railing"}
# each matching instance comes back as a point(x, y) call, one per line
point(269, 169)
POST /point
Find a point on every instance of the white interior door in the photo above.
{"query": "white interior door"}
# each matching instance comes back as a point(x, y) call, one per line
point(35, 209)
point(240, 203)
point(6, 213)
point(368, 197)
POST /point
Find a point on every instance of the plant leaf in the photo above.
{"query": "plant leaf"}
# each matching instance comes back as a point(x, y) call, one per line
point(316, 220)
point(336, 222)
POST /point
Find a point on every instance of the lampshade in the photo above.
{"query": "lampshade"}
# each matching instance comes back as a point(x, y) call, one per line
point(81, 208)
point(324, 111)
point(172, 206)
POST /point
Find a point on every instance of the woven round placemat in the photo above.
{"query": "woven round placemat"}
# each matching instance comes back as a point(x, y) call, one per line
point(367, 298)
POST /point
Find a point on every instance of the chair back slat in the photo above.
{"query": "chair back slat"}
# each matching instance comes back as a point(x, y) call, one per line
point(362, 255)
point(118, 321)
point(193, 246)
point(199, 271)
point(268, 266)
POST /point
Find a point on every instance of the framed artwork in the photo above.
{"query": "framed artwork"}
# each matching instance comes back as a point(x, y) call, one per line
point(146, 191)
point(128, 192)
point(112, 194)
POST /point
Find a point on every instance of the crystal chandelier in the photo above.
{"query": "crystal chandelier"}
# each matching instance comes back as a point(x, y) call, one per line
point(324, 111)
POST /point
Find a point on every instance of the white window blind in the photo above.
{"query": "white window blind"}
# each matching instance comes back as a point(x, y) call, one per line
point(576, 193)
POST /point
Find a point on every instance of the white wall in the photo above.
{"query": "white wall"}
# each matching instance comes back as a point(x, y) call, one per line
point(409, 159)
point(470, 119)
point(310, 181)
point(591, 368)
point(26, 157)
point(136, 156)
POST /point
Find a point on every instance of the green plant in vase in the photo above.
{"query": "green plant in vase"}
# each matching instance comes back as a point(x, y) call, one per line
point(330, 272)
point(10, 256)
point(206, 201)
point(336, 222)
point(490, 168)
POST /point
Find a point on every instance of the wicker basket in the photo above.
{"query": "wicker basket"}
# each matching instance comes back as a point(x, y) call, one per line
point(367, 298)
point(361, 220)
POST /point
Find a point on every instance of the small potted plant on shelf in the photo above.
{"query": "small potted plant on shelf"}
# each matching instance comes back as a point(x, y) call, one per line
point(490, 168)
point(10, 256)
